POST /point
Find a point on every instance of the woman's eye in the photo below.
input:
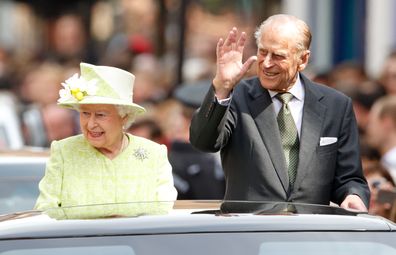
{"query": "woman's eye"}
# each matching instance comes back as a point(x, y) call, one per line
point(101, 115)
point(85, 114)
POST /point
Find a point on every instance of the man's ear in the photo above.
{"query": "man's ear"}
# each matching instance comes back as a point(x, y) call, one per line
point(303, 60)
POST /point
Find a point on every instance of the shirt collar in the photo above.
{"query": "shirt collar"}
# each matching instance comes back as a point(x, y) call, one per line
point(296, 90)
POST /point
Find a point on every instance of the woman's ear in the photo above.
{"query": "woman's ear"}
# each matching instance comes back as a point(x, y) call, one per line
point(125, 120)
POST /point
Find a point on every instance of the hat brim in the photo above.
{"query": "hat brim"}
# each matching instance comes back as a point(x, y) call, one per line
point(73, 104)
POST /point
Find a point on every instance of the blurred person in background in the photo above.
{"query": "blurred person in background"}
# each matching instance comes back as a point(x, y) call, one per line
point(41, 83)
point(381, 131)
point(69, 41)
point(39, 90)
point(369, 154)
point(59, 123)
point(104, 164)
point(5, 70)
point(363, 97)
point(388, 74)
point(198, 175)
point(378, 179)
point(239, 118)
point(42, 125)
point(347, 75)
point(149, 82)
point(147, 128)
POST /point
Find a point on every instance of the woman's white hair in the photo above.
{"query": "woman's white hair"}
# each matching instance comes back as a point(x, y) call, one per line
point(126, 111)
point(122, 111)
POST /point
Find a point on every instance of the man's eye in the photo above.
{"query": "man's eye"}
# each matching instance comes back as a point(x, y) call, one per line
point(278, 57)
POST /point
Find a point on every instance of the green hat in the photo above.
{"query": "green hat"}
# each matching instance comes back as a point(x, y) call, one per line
point(99, 85)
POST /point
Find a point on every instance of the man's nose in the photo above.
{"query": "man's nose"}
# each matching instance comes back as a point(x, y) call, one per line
point(268, 60)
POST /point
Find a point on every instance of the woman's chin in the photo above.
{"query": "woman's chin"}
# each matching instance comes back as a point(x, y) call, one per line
point(95, 141)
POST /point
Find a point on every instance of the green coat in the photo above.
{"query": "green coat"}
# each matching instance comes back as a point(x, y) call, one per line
point(78, 174)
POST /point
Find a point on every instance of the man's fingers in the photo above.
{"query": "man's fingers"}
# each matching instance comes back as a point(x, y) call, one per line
point(218, 47)
point(231, 38)
point(241, 42)
point(353, 202)
point(246, 66)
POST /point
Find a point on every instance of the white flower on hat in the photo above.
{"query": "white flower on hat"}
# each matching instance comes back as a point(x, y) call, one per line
point(76, 88)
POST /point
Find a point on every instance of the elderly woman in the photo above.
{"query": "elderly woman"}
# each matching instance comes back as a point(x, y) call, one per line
point(104, 164)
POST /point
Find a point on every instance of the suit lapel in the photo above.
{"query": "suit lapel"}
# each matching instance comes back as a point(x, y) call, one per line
point(263, 112)
point(313, 116)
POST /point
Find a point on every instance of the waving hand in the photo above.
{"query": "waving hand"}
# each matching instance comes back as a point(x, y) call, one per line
point(230, 68)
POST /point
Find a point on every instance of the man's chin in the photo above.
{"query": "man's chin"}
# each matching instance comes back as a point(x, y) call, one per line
point(273, 87)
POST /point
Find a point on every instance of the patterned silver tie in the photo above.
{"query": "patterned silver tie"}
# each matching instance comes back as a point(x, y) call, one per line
point(289, 136)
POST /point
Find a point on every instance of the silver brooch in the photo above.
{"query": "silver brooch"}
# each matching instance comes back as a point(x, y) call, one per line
point(140, 154)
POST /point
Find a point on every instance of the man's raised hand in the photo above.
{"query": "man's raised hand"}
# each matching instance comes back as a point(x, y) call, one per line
point(230, 69)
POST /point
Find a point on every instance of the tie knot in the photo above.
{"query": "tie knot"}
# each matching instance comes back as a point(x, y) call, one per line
point(284, 97)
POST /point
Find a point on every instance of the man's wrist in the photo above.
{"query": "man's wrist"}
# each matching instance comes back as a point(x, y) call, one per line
point(221, 90)
point(224, 101)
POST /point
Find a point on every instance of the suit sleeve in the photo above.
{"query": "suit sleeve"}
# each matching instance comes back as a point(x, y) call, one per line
point(207, 129)
point(51, 185)
point(349, 177)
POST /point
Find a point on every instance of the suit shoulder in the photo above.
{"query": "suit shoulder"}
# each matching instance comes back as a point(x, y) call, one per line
point(248, 83)
point(248, 86)
point(331, 93)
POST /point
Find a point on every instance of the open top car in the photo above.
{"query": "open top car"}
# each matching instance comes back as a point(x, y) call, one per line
point(198, 227)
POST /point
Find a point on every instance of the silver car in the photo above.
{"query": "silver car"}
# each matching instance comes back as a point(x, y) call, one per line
point(20, 173)
point(199, 227)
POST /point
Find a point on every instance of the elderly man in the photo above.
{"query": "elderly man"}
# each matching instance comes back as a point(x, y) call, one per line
point(281, 136)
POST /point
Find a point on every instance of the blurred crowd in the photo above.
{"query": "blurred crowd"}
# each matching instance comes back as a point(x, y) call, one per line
point(144, 37)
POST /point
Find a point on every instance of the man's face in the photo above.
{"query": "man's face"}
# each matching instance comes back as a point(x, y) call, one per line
point(279, 60)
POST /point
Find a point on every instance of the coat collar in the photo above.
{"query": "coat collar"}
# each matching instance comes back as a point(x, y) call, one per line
point(263, 113)
point(313, 117)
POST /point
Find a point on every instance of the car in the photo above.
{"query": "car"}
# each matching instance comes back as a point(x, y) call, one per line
point(20, 173)
point(199, 227)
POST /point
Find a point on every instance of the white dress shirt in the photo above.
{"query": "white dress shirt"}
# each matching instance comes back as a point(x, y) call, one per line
point(296, 104)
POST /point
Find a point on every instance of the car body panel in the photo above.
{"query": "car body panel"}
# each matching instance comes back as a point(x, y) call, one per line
point(201, 227)
point(181, 220)
point(20, 174)
point(257, 243)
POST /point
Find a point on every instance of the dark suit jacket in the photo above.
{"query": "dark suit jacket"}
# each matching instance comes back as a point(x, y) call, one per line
point(247, 134)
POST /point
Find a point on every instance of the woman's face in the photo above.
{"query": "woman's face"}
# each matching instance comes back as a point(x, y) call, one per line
point(102, 126)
